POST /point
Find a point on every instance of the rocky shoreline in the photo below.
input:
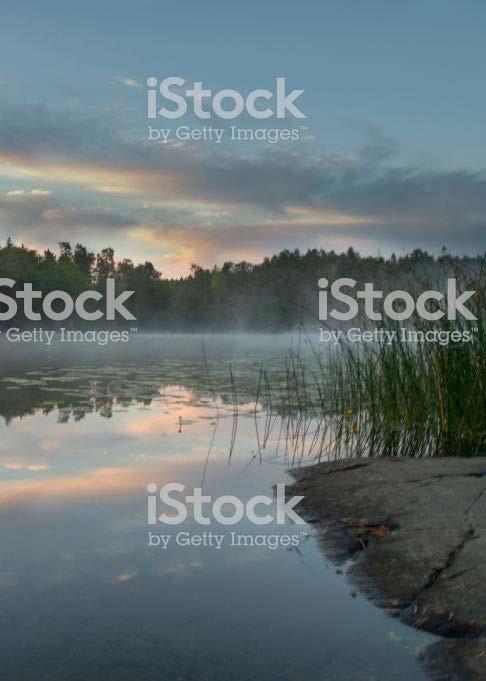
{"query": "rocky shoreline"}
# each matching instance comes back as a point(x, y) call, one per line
point(416, 530)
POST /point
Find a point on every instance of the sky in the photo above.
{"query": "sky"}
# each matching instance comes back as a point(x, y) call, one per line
point(391, 156)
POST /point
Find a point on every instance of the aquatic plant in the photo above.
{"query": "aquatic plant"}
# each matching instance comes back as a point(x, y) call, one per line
point(416, 390)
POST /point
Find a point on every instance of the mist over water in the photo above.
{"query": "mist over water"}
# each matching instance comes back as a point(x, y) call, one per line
point(82, 594)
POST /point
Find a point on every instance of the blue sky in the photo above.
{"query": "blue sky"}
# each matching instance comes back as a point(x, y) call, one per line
point(393, 159)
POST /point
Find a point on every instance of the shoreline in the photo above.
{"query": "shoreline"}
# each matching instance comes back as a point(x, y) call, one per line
point(416, 531)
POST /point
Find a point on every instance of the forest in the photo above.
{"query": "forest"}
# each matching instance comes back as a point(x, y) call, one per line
point(273, 295)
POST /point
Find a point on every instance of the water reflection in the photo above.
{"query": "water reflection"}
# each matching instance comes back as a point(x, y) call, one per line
point(83, 596)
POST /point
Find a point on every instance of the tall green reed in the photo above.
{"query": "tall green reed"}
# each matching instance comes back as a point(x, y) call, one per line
point(386, 398)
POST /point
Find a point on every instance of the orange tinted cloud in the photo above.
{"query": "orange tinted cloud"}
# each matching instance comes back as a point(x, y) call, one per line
point(95, 483)
point(123, 180)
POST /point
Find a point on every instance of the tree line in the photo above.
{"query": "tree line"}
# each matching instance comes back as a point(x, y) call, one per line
point(273, 295)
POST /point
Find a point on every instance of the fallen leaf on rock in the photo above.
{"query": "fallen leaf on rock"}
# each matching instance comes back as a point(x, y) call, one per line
point(379, 531)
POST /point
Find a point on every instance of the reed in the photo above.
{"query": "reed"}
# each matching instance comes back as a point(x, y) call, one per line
point(386, 398)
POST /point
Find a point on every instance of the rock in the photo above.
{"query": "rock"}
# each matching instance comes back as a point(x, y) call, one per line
point(417, 529)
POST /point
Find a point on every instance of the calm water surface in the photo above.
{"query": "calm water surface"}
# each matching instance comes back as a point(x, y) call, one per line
point(83, 596)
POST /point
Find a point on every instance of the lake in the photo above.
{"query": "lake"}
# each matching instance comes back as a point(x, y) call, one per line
point(83, 596)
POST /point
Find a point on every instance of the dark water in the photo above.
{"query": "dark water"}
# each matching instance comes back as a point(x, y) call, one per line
point(83, 596)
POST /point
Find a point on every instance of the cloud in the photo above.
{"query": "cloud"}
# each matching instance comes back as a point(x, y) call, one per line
point(202, 201)
point(19, 207)
point(98, 483)
point(103, 218)
point(32, 467)
point(129, 82)
point(27, 213)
